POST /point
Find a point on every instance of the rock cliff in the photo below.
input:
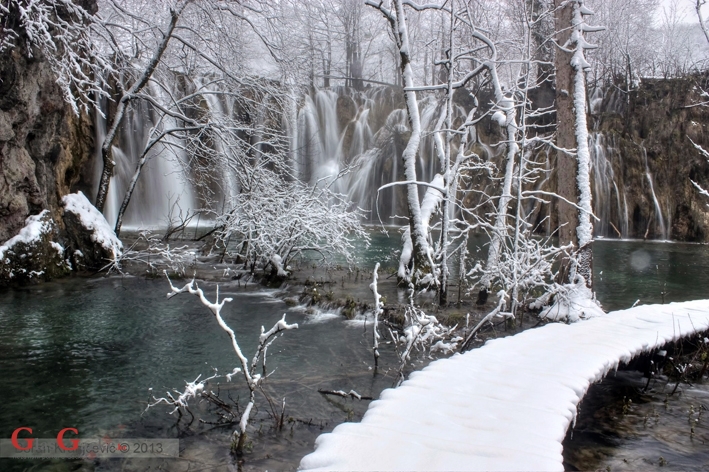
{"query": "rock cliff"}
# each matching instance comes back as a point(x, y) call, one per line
point(45, 149)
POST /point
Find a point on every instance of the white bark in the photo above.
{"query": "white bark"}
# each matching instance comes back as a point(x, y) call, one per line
point(499, 231)
point(584, 231)
point(253, 380)
point(423, 261)
point(377, 311)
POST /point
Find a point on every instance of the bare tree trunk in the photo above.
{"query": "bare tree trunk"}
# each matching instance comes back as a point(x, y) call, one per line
point(565, 133)
point(445, 168)
point(499, 230)
point(106, 146)
point(421, 254)
point(698, 8)
point(573, 173)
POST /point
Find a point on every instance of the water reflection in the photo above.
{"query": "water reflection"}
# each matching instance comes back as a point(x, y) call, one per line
point(620, 427)
point(84, 352)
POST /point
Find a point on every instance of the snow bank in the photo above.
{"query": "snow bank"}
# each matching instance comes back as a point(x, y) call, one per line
point(93, 221)
point(575, 302)
point(494, 409)
point(36, 226)
point(278, 265)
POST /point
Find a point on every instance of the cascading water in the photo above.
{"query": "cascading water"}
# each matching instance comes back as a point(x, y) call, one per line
point(220, 108)
point(360, 134)
point(605, 187)
point(368, 132)
point(162, 190)
point(659, 220)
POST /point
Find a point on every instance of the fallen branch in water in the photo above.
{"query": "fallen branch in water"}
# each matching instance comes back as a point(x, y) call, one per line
point(253, 380)
point(341, 393)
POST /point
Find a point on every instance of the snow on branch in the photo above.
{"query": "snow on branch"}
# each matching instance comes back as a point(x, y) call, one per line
point(422, 333)
point(253, 380)
point(61, 31)
point(341, 393)
point(705, 153)
point(192, 390)
point(378, 310)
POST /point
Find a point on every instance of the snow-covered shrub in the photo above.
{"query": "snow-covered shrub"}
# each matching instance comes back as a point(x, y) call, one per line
point(571, 302)
point(150, 252)
point(422, 334)
point(523, 271)
point(278, 220)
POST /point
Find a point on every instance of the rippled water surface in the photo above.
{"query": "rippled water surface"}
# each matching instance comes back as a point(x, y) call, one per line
point(84, 353)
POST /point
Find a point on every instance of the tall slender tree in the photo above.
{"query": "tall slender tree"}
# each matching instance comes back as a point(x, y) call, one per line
point(573, 158)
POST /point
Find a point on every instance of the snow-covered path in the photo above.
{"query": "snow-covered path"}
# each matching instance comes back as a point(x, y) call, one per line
point(504, 406)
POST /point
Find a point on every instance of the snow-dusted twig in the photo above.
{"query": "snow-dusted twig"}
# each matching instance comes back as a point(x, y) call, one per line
point(502, 301)
point(253, 380)
point(155, 255)
point(423, 333)
point(377, 311)
point(192, 389)
point(343, 394)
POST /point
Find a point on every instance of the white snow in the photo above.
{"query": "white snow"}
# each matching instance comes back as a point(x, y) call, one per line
point(584, 231)
point(278, 264)
point(57, 247)
point(495, 409)
point(93, 220)
point(573, 303)
point(32, 232)
point(431, 200)
point(499, 117)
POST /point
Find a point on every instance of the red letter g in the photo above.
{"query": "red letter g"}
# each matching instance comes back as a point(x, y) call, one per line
point(74, 442)
point(15, 443)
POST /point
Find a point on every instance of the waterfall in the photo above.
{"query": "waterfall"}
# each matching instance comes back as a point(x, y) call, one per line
point(360, 136)
point(220, 109)
point(162, 190)
point(367, 131)
point(659, 220)
point(318, 137)
point(595, 100)
point(605, 187)
point(610, 199)
point(329, 140)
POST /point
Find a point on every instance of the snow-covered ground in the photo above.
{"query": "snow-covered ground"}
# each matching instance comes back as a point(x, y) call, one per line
point(504, 406)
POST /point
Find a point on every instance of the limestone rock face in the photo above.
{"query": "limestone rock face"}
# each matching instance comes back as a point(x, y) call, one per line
point(652, 160)
point(45, 150)
point(44, 147)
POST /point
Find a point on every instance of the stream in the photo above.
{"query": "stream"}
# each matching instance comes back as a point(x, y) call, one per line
point(85, 352)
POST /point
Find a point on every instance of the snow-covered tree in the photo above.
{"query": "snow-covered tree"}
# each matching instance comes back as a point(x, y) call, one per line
point(470, 57)
point(421, 254)
point(573, 168)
